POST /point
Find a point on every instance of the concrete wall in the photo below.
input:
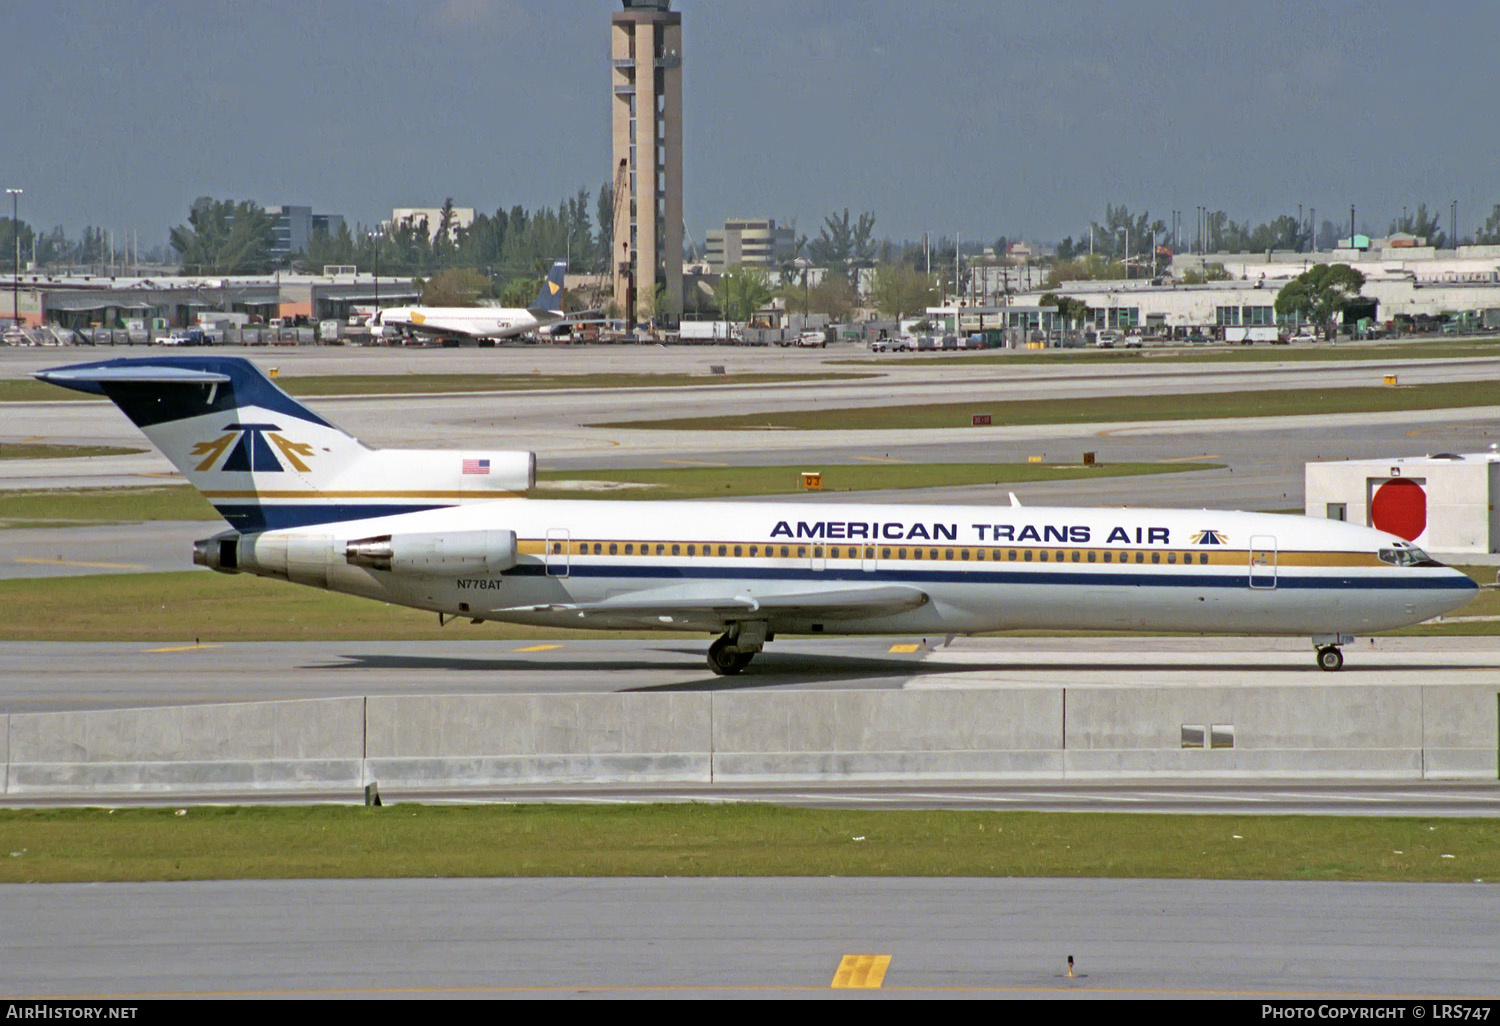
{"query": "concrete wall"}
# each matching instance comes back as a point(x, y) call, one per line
point(252, 746)
point(487, 740)
point(420, 743)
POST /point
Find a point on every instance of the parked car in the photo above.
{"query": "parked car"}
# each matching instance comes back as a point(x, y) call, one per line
point(1106, 340)
point(1133, 342)
point(1197, 338)
point(812, 339)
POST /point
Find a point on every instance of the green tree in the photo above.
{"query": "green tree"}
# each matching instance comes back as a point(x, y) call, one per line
point(898, 289)
point(1084, 267)
point(8, 233)
point(224, 237)
point(834, 296)
point(741, 291)
point(324, 250)
point(1421, 224)
point(458, 286)
point(1072, 311)
point(1320, 293)
point(1489, 235)
point(841, 245)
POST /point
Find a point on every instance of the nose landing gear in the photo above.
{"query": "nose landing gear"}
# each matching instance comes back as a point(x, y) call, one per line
point(1330, 658)
point(1330, 655)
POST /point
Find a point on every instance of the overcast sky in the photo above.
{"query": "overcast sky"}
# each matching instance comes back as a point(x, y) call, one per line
point(980, 117)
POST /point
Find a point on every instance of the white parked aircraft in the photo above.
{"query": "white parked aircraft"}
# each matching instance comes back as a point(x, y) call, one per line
point(453, 532)
point(478, 322)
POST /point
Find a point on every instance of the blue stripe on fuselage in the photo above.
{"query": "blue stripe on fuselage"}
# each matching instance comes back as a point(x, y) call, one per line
point(884, 575)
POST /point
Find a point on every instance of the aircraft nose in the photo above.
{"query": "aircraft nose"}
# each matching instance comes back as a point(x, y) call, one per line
point(1460, 588)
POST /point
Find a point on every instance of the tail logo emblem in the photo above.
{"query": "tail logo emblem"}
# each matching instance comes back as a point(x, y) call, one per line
point(253, 447)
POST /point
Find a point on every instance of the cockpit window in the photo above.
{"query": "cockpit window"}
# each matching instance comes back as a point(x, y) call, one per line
point(1406, 555)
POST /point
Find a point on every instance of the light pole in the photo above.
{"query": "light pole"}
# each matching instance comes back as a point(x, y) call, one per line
point(15, 280)
point(1126, 232)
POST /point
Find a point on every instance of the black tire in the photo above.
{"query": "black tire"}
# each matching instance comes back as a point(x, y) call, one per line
point(1330, 659)
point(727, 664)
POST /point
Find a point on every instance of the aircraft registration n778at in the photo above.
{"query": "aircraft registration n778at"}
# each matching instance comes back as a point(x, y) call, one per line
point(454, 532)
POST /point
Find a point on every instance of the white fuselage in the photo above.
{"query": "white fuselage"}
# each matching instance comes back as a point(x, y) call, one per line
point(984, 568)
point(490, 322)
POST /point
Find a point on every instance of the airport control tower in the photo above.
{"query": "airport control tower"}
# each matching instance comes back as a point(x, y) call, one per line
point(646, 78)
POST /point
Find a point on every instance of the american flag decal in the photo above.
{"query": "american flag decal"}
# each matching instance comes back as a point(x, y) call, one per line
point(476, 466)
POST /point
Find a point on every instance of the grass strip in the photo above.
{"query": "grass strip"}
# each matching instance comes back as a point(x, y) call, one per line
point(111, 505)
point(1102, 409)
point(728, 482)
point(410, 840)
point(1339, 352)
point(209, 607)
point(26, 390)
point(39, 451)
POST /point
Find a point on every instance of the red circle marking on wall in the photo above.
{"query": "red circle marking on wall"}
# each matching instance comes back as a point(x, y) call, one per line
point(1400, 507)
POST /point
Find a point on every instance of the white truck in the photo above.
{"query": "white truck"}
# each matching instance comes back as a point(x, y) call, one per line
point(705, 331)
point(1247, 334)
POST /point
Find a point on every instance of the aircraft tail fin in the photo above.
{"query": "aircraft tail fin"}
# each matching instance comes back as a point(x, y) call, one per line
point(267, 462)
point(550, 299)
point(238, 438)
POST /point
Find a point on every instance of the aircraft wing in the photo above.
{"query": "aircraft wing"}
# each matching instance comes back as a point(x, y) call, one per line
point(838, 604)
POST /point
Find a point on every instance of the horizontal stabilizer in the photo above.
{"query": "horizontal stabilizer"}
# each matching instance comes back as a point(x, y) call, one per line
point(88, 378)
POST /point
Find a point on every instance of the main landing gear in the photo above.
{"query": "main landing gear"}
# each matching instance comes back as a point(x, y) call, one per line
point(1330, 655)
point(732, 651)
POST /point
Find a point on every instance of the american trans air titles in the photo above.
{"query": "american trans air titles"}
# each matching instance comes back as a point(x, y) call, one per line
point(457, 534)
point(983, 534)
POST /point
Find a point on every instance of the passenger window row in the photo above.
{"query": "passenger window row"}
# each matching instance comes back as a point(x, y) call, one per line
point(885, 552)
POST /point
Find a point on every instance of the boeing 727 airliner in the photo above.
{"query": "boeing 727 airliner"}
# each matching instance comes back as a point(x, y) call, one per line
point(455, 533)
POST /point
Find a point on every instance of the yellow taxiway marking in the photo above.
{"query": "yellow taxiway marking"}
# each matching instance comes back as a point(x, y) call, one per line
point(695, 463)
point(538, 648)
point(864, 972)
point(72, 562)
point(1193, 459)
point(179, 648)
point(903, 648)
point(879, 459)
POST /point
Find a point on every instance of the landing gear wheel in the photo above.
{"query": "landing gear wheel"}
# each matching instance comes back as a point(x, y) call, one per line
point(1330, 658)
point(724, 662)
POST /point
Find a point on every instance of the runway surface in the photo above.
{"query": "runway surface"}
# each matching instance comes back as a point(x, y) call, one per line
point(40, 676)
point(750, 938)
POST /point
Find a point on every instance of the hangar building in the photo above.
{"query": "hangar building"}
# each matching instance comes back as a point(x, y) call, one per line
point(1443, 502)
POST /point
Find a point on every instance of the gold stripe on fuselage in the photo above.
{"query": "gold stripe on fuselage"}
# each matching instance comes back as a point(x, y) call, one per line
point(976, 556)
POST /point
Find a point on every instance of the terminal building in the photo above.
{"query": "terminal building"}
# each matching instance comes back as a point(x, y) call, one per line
point(753, 242)
point(82, 302)
point(294, 228)
point(1460, 285)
